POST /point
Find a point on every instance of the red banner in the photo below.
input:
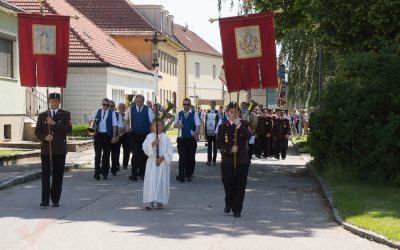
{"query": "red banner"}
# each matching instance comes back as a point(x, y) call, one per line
point(249, 53)
point(43, 50)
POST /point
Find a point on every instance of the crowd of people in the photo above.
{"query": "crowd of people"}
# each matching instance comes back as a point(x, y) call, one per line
point(236, 131)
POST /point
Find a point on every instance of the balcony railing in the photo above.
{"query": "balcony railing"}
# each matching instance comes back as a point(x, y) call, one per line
point(36, 103)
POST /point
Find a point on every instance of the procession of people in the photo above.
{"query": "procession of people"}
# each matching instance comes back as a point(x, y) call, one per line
point(234, 131)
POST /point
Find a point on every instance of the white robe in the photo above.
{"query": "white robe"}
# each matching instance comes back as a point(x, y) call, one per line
point(156, 180)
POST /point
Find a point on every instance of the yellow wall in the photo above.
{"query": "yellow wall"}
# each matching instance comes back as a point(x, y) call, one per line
point(167, 83)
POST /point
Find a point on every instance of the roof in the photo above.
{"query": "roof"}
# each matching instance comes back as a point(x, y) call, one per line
point(115, 17)
point(193, 42)
point(5, 4)
point(88, 43)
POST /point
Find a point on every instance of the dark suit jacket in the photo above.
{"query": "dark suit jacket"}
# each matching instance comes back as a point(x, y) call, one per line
point(59, 130)
point(282, 127)
point(225, 142)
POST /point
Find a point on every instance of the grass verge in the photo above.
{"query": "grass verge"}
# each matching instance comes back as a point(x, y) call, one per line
point(372, 206)
point(10, 152)
point(301, 144)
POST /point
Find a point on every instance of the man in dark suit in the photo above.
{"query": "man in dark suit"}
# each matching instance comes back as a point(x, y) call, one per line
point(211, 120)
point(282, 131)
point(234, 175)
point(60, 124)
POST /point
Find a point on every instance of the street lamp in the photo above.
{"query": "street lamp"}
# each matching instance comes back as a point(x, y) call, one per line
point(154, 50)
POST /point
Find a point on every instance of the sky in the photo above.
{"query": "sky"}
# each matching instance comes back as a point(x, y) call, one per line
point(196, 14)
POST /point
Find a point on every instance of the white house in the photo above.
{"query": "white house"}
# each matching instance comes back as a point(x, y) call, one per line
point(200, 66)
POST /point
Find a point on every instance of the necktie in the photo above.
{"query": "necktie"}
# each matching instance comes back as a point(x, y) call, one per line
point(104, 114)
point(54, 113)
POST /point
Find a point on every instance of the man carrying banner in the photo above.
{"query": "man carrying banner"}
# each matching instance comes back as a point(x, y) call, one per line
point(60, 124)
point(234, 174)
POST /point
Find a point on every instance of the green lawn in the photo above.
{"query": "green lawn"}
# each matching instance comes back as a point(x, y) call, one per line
point(370, 206)
point(172, 132)
point(10, 152)
point(301, 144)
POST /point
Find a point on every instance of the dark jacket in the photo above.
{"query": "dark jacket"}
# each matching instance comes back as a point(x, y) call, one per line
point(59, 130)
point(282, 127)
point(225, 142)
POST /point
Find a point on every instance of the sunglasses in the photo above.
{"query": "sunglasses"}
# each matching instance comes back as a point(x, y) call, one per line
point(186, 104)
point(106, 104)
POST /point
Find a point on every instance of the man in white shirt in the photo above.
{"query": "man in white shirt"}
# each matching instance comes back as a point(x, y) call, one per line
point(188, 124)
point(138, 118)
point(116, 146)
point(106, 133)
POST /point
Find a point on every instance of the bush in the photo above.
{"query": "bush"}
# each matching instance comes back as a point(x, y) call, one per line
point(79, 130)
point(359, 124)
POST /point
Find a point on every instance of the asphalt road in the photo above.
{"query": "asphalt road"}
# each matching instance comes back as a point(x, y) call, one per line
point(283, 210)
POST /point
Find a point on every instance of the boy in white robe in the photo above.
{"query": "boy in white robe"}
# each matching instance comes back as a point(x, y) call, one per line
point(157, 176)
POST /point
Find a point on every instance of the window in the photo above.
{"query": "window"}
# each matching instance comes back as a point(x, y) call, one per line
point(6, 58)
point(118, 96)
point(214, 72)
point(197, 70)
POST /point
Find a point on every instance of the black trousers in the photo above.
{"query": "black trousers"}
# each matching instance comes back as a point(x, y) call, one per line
point(102, 146)
point(234, 185)
point(272, 146)
point(115, 151)
point(139, 158)
point(187, 151)
point(261, 146)
point(52, 190)
point(281, 147)
point(126, 147)
point(211, 148)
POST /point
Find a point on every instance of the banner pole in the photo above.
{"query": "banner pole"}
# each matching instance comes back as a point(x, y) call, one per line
point(49, 128)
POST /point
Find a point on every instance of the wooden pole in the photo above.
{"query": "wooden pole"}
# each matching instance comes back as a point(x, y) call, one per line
point(49, 128)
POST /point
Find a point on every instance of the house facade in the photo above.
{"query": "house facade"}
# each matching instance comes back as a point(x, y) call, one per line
point(129, 25)
point(200, 66)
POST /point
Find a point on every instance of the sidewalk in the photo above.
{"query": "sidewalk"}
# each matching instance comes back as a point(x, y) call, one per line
point(17, 174)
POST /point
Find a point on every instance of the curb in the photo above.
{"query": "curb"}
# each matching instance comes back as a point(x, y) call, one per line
point(326, 192)
point(364, 233)
point(33, 175)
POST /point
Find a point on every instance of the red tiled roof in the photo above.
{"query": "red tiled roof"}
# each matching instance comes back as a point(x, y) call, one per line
point(9, 6)
point(88, 43)
point(115, 17)
point(193, 42)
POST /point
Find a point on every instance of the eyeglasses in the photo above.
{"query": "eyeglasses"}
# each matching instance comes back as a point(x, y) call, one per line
point(186, 104)
point(106, 104)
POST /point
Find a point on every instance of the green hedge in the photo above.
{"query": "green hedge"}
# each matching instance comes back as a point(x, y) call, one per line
point(79, 130)
point(358, 126)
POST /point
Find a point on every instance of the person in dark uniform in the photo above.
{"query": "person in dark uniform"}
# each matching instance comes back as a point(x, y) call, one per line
point(60, 125)
point(261, 135)
point(188, 124)
point(124, 139)
point(282, 128)
point(269, 143)
point(137, 122)
point(116, 146)
point(211, 121)
point(234, 179)
point(106, 133)
point(274, 135)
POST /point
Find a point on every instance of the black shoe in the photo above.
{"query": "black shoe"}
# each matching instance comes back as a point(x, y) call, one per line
point(283, 158)
point(105, 177)
point(56, 204)
point(96, 176)
point(142, 177)
point(258, 156)
point(125, 168)
point(189, 179)
point(227, 210)
point(133, 178)
point(214, 163)
point(114, 174)
point(208, 163)
point(179, 179)
point(44, 205)
point(237, 215)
